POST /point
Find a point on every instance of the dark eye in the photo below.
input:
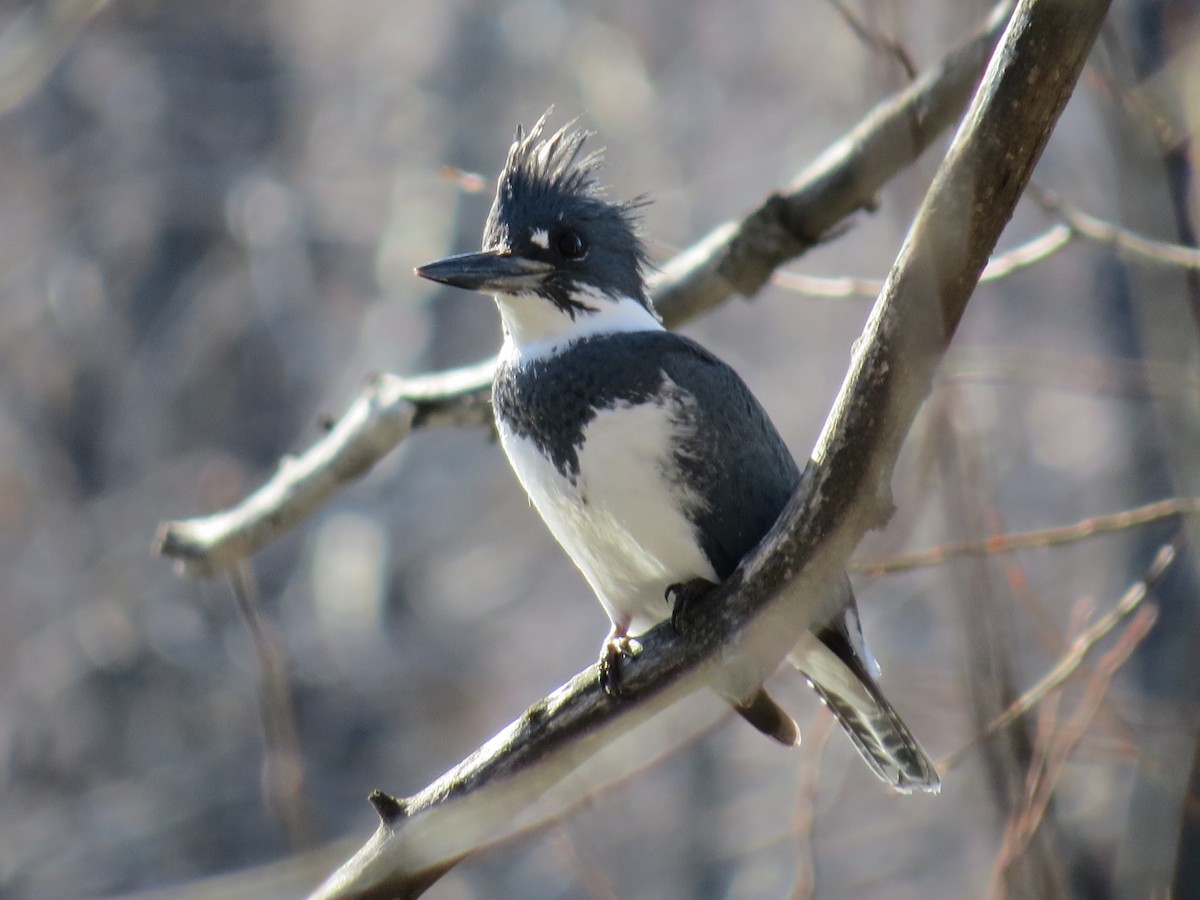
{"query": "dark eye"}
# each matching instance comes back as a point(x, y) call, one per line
point(571, 245)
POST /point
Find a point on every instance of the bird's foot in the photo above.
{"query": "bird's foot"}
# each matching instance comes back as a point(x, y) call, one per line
point(617, 648)
point(683, 597)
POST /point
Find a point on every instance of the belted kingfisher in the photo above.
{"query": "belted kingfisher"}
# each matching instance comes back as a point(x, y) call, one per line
point(648, 458)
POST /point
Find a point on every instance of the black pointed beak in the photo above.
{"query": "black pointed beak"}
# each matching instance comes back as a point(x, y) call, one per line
point(489, 272)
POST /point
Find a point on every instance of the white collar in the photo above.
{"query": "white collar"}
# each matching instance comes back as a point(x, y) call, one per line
point(534, 328)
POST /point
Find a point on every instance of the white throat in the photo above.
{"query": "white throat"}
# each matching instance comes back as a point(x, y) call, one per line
point(535, 328)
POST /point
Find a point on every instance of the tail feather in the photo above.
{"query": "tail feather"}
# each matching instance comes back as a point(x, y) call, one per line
point(870, 721)
point(839, 666)
point(769, 717)
point(881, 737)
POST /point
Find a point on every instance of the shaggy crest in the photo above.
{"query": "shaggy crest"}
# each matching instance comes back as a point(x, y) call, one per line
point(551, 178)
point(553, 164)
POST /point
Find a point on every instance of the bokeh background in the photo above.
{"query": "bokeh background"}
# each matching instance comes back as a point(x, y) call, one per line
point(209, 215)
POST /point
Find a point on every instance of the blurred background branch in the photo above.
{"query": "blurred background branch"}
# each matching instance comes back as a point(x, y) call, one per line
point(35, 40)
point(1031, 540)
point(210, 215)
point(732, 257)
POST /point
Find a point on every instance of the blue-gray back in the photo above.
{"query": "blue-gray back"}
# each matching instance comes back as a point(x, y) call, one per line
point(734, 458)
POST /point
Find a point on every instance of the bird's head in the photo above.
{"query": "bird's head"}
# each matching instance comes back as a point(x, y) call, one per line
point(557, 256)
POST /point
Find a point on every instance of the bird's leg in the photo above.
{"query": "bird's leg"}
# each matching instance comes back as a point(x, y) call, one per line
point(684, 596)
point(618, 644)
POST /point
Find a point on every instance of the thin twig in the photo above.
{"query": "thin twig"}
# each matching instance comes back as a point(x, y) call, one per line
point(874, 39)
point(1067, 739)
point(1033, 540)
point(1058, 746)
point(283, 775)
point(999, 266)
point(838, 287)
point(1034, 250)
point(1047, 716)
point(1070, 662)
point(1116, 237)
point(1076, 224)
point(808, 786)
point(467, 182)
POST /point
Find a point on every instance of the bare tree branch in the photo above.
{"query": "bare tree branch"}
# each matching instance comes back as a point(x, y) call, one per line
point(1055, 748)
point(1075, 224)
point(1119, 239)
point(382, 416)
point(1070, 662)
point(999, 266)
point(740, 257)
point(743, 629)
point(804, 882)
point(736, 257)
point(284, 781)
point(1033, 540)
point(875, 39)
point(1024, 255)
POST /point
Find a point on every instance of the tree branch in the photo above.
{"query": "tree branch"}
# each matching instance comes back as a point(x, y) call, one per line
point(1121, 240)
point(384, 414)
point(1070, 661)
point(1056, 747)
point(1033, 540)
point(745, 626)
point(999, 266)
point(736, 257)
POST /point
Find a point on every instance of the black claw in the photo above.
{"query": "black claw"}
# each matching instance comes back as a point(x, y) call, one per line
point(610, 663)
point(683, 596)
point(610, 671)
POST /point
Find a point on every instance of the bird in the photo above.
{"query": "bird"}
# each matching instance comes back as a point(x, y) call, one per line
point(648, 458)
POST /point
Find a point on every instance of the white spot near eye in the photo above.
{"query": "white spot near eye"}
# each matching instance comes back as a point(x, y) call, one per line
point(541, 238)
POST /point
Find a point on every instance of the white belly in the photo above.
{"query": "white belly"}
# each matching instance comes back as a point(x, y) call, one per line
point(621, 521)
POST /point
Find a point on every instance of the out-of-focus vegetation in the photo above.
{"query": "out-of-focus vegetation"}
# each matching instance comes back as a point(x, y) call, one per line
point(209, 214)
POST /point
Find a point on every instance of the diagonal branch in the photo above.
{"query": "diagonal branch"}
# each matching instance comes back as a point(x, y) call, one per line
point(1075, 224)
point(384, 414)
point(1056, 747)
point(874, 39)
point(1034, 540)
point(735, 258)
point(1121, 240)
point(746, 625)
point(1070, 661)
point(999, 266)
